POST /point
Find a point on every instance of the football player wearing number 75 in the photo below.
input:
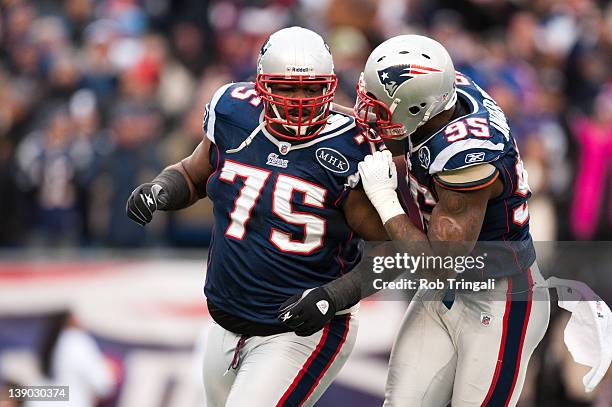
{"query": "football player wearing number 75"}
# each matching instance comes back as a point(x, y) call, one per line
point(280, 168)
point(467, 179)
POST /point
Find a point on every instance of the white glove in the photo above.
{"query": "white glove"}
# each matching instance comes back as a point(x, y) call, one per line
point(379, 178)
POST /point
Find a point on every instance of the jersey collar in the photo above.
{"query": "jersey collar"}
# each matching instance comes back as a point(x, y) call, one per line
point(336, 125)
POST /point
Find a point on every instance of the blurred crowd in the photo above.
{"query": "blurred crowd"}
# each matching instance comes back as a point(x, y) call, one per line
point(97, 96)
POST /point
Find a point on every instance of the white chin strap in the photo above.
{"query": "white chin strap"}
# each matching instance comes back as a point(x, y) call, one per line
point(403, 132)
point(451, 102)
point(247, 141)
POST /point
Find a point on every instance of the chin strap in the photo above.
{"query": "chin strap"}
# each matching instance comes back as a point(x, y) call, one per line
point(451, 102)
point(247, 141)
point(410, 145)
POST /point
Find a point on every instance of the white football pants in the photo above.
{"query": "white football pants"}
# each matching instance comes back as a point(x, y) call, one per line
point(474, 353)
point(276, 370)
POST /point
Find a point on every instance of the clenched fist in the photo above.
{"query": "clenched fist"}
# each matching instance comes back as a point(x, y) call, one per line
point(145, 200)
point(307, 313)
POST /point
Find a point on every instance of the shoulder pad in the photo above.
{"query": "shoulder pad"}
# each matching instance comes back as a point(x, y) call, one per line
point(469, 178)
point(210, 112)
point(229, 103)
point(465, 142)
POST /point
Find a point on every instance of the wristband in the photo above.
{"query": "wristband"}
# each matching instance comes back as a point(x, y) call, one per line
point(387, 205)
point(176, 190)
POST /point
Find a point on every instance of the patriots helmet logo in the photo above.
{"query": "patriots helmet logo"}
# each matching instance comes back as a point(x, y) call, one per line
point(394, 76)
point(264, 48)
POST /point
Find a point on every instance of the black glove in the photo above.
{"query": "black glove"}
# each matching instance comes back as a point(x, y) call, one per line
point(307, 313)
point(145, 200)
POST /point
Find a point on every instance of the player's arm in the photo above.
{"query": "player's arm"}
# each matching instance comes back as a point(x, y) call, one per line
point(362, 217)
point(301, 312)
point(457, 217)
point(176, 187)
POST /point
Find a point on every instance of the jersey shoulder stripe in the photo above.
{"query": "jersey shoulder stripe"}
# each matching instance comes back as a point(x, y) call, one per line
point(482, 151)
point(471, 139)
point(210, 116)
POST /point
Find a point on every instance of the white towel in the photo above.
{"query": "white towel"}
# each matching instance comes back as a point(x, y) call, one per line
point(588, 334)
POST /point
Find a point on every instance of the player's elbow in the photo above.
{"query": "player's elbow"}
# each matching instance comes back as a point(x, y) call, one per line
point(449, 238)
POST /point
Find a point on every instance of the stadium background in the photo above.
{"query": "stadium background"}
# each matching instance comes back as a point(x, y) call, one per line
point(97, 96)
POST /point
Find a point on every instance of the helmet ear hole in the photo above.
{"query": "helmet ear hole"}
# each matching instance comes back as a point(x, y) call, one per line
point(423, 104)
point(414, 110)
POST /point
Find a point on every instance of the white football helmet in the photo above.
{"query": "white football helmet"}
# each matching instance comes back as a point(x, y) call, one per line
point(296, 55)
point(407, 80)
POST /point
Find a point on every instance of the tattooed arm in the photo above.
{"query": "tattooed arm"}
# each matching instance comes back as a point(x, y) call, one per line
point(457, 217)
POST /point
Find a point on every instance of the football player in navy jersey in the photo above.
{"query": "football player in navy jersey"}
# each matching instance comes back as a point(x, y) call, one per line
point(280, 168)
point(466, 176)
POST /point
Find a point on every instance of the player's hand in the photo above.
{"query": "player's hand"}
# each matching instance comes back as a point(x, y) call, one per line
point(143, 201)
point(307, 313)
point(378, 173)
point(379, 178)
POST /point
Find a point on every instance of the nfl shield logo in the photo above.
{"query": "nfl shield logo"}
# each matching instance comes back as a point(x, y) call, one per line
point(485, 319)
point(283, 148)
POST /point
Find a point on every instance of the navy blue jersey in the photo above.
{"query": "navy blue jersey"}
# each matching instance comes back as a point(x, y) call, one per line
point(482, 135)
point(279, 226)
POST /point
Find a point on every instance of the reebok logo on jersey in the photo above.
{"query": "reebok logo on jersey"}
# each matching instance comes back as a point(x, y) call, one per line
point(275, 161)
point(323, 306)
point(474, 157)
point(332, 160)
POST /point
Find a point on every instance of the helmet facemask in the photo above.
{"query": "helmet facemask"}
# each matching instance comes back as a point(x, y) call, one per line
point(374, 117)
point(296, 118)
point(293, 62)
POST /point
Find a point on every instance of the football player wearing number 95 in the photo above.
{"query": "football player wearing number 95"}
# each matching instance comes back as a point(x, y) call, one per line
point(466, 177)
point(280, 168)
